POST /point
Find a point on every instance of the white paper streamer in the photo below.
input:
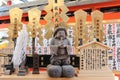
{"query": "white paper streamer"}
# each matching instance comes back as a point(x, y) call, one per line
point(19, 53)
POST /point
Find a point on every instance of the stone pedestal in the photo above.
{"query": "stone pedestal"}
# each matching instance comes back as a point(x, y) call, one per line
point(22, 72)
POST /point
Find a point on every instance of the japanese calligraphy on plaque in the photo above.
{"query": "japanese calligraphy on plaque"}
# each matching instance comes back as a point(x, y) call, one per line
point(97, 27)
point(112, 39)
point(15, 23)
point(94, 61)
point(34, 27)
point(56, 16)
point(56, 12)
point(93, 56)
point(80, 30)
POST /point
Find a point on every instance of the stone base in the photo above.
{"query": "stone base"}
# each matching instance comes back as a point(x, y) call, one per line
point(22, 73)
point(35, 72)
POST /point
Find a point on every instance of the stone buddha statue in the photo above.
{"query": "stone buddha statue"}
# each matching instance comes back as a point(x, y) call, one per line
point(60, 49)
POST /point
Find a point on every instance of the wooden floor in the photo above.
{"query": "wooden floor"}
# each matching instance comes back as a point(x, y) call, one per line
point(43, 76)
point(30, 76)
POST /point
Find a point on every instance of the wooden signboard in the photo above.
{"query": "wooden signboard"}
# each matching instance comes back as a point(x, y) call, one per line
point(94, 61)
point(80, 17)
point(15, 23)
point(56, 16)
point(97, 25)
point(80, 30)
point(15, 20)
point(35, 29)
point(34, 17)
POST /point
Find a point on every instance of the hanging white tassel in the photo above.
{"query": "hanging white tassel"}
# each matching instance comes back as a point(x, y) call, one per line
point(20, 49)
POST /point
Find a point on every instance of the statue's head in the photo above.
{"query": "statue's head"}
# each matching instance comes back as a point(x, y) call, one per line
point(60, 32)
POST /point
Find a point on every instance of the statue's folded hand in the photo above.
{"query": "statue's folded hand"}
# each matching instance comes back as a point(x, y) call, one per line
point(63, 46)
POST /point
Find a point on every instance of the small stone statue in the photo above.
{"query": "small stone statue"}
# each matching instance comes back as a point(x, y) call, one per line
point(60, 55)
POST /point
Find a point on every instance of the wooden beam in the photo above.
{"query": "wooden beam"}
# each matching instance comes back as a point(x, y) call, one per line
point(96, 5)
point(107, 16)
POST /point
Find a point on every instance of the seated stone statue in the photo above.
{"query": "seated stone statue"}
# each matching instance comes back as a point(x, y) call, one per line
point(60, 49)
